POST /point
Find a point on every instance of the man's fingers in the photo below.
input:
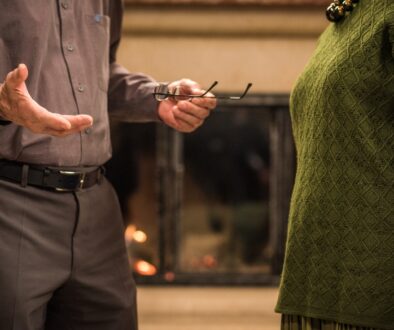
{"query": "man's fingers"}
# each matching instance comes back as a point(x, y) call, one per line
point(193, 110)
point(64, 133)
point(183, 86)
point(53, 121)
point(187, 118)
point(191, 115)
point(75, 124)
point(17, 76)
point(184, 127)
point(79, 122)
point(208, 102)
point(185, 83)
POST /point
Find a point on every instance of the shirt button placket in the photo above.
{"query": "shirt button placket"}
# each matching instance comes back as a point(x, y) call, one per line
point(72, 55)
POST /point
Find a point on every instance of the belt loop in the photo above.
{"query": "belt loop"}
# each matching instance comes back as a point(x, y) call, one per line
point(46, 172)
point(25, 175)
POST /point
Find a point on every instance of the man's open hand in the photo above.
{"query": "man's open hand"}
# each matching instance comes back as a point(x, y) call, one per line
point(16, 105)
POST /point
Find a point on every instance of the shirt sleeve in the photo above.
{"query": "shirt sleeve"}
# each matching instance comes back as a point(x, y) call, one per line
point(129, 94)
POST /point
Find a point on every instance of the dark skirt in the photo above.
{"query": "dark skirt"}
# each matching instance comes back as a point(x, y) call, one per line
point(294, 322)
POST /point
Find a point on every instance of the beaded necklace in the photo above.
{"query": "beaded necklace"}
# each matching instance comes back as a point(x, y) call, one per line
point(339, 9)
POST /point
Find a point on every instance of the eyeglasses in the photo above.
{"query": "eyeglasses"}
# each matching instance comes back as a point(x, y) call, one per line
point(162, 93)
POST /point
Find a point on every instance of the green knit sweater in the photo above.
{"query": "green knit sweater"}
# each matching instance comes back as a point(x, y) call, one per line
point(339, 262)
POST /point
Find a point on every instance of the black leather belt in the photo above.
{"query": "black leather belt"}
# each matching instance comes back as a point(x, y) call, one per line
point(62, 180)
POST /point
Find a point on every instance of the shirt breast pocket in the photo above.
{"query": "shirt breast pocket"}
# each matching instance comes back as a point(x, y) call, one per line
point(97, 48)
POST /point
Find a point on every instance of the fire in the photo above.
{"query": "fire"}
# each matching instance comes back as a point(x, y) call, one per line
point(129, 233)
point(132, 234)
point(140, 237)
point(143, 267)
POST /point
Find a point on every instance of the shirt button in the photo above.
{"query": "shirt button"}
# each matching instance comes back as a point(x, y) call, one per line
point(64, 5)
point(88, 130)
point(81, 88)
point(70, 48)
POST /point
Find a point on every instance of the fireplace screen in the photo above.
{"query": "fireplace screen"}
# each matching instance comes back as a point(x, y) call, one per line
point(210, 206)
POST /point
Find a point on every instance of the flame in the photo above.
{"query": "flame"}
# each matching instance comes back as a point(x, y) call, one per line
point(132, 234)
point(129, 233)
point(169, 276)
point(140, 237)
point(209, 261)
point(143, 267)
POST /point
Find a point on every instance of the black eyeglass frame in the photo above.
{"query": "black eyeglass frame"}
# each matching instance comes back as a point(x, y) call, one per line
point(162, 93)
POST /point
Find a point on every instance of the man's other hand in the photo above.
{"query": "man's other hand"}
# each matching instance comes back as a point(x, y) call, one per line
point(16, 105)
point(186, 115)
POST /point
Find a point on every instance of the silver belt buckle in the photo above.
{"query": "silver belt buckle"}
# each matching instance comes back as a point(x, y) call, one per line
point(82, 177)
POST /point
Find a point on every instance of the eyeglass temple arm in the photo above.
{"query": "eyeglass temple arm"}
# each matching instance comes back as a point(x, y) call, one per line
point(208, 90)
point(248, 86)
point(235, 97)
point(245, 91)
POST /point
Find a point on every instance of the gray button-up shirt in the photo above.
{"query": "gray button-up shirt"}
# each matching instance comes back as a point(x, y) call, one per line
point(70, 48)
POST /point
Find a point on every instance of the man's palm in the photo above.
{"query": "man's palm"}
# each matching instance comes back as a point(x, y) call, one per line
point(17, 106)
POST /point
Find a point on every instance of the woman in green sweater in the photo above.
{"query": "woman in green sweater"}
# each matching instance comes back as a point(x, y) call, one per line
point(339, 266)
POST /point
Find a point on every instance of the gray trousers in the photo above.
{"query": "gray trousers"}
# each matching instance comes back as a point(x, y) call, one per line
point(63, 263)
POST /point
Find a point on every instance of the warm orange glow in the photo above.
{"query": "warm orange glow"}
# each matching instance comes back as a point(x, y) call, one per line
point(144, 268)
point(209, 261)
point(129, 233)
point(132, 234)
point(169, 276)
point(140, 237)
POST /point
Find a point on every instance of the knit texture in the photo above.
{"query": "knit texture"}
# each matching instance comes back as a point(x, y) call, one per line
point(339, 262)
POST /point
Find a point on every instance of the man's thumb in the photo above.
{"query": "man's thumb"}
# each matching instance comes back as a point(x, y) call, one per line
point(16, 77)
point(22, 73)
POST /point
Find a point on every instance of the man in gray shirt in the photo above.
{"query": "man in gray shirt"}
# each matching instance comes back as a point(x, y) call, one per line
point(63, 260)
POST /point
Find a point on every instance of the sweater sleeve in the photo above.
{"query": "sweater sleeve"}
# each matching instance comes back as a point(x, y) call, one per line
point(390, 24)
point(130, 94)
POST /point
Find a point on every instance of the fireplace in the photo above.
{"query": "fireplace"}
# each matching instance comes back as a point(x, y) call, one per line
point(208, 207)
